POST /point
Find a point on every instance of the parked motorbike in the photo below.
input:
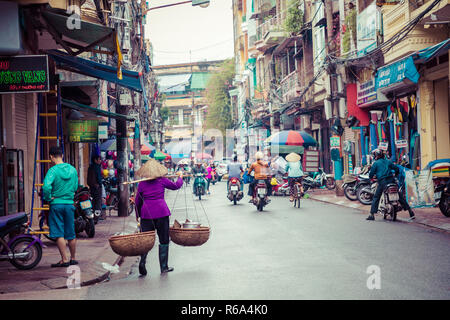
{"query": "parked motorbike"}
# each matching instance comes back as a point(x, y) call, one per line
point(318, 180)
point(260, 195)
point(281, 189)
point(23, 251)
point(389, 203)
point(235, 193)
point(366, 193)
point(352, 182)
point(84, 215)
point(199, 185)
point(442, 195)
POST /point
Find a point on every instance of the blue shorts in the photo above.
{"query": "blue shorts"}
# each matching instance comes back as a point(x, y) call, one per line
point(61, 221)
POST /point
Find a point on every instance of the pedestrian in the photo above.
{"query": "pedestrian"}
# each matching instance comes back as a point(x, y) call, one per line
point(152, 209)
point(60, 185)
point(94, 181)
point(209, 170)
point(382, 169)
point(295, 173)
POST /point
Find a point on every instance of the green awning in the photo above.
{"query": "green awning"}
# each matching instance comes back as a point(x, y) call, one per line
point(81, 107)
point(199, 80)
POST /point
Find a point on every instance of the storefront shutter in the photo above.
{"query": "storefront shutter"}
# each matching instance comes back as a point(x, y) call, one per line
point(21, 120)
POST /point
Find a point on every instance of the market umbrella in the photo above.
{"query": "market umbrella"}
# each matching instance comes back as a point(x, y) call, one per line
point(159, 155)
point(292, 138)
point(203, 156)
point(111, 145)
point(146, 148)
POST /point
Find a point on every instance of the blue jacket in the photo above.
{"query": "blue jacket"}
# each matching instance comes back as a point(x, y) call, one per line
point(382, 168)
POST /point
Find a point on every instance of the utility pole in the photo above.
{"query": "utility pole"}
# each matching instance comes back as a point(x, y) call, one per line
point(332, 74)
point(122, 157)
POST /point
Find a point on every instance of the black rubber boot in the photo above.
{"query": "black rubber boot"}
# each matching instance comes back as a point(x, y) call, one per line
point(142, 269)
point(164, 258)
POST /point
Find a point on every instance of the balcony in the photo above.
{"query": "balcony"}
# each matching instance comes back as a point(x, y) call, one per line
point(271, 32)
point(289, 86)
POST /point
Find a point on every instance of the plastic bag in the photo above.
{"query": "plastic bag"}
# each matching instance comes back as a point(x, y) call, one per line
point(419, 188)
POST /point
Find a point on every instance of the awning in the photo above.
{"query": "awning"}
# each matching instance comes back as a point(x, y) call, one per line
point(425, 55)
point(199, 81)
point(130, 79)
point(85, 38)
point(396, 75)
point(81, 107)
point(174, 82)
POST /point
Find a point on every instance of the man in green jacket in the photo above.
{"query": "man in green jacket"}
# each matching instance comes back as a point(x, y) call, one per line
point(60, 185)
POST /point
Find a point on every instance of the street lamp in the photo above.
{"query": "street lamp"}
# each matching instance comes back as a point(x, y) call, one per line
point(200, 3)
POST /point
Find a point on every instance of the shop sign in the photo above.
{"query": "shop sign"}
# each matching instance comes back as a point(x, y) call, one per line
point(83, 130)
point(24, 74)
point(311, 160)
point(103, 132)
point(367, 25)
point(397, 74)
point(383, 146)
point(366, 91)
point(401, 143)
point(335, 142)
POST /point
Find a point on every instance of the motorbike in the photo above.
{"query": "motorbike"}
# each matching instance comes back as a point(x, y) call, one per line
point(214, 176)
point(352, 182)
point(23, 251)
point(112, 200)
point(199, 185)
point(366, 192)
point(260, 195)
point(235, 193)
point(318, 180)
point(442, 195)
point(84, 215)
point(389, 202)
point(281, 189)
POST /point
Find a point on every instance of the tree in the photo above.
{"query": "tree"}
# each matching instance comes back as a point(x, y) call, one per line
point(219, 102)
point(294, 18)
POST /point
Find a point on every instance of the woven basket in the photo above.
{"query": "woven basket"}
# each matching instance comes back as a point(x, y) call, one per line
point(133, 244)
point(189, 237)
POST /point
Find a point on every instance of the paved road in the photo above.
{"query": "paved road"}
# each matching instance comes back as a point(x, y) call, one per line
point(319, 251)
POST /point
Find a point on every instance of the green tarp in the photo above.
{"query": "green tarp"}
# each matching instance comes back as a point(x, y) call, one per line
point(199, 81)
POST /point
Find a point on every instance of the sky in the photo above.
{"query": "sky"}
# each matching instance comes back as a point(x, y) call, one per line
point(174, 31)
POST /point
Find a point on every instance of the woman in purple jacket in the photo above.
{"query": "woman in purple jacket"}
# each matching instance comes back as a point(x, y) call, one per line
point(154, 212)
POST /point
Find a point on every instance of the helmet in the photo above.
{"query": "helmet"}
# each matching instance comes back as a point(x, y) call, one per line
point(377, 154)
point(259, 155)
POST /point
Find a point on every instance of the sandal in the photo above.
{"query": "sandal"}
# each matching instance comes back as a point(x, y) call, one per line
point(73, 262)
point(60, 264)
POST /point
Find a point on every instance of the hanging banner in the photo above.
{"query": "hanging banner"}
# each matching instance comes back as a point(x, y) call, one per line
point(24, 74)
point(83, 130)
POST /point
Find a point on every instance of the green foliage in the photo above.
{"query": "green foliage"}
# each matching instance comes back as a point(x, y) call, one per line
point(294, 18)
point(164, 112)
point(219, 102)
point(350, 32)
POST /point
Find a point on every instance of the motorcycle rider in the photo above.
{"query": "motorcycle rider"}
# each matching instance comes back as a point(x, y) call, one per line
point(199, 168)
point(262, 170)
point(382, 169)
point(234, 170)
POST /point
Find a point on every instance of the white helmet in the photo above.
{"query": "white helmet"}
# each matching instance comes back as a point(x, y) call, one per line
point(259, 155)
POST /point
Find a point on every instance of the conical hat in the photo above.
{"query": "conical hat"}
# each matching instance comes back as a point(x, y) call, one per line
point(292, 157)
point(152, 169)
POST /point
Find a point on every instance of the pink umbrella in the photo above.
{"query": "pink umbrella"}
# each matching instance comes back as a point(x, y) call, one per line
point(203, 156)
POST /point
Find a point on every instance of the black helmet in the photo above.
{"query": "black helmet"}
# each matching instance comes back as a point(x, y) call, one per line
point(377, 154)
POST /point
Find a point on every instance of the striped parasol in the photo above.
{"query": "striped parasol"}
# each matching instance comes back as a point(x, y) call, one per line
point(291, 138)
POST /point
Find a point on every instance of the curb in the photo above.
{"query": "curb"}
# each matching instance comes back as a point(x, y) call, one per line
point(403, 220)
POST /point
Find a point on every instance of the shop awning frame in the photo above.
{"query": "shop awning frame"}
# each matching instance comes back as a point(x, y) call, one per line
point(130, 79)
point(425, 55)
point(81, 107)
point(92, 34)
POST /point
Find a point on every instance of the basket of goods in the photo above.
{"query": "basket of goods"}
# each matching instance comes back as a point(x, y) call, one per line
point(189, 234)
point(135, 244)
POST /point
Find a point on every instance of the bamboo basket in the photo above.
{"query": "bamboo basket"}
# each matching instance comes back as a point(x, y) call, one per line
point(133, 244)
point(189, 237)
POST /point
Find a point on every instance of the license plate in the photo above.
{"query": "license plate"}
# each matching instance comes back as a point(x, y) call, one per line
point(437, 195)
point(86, 204)
point(234, 188)
point(261, 191)
point(393, 197)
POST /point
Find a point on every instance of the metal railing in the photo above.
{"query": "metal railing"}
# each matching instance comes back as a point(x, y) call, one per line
point(275, 23)
point(288, 86)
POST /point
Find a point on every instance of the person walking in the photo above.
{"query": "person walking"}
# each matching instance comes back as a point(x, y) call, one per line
point(383, 169)
point(60, 185)
point(209, 177)
point(94, 181)
point(295, 173)
point(152, 209)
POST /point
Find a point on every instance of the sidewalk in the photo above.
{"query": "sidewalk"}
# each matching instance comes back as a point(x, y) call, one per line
point(431, 217)
point(94, 255)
